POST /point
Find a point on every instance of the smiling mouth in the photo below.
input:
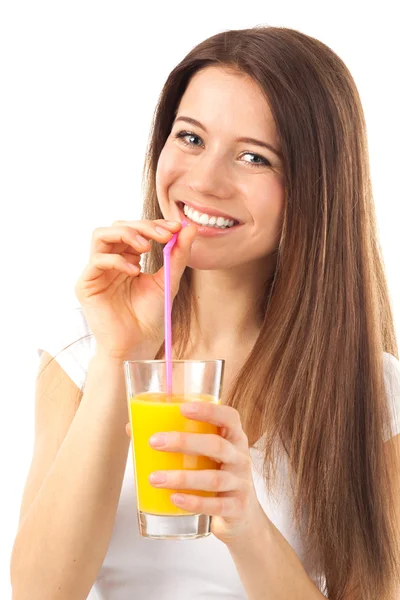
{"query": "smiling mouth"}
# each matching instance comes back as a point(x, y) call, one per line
point(205, 219)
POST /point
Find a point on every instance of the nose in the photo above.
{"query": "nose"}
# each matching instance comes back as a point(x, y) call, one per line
point(209, 176)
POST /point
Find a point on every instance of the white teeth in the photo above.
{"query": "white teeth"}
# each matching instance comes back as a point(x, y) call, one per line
point(204, 219)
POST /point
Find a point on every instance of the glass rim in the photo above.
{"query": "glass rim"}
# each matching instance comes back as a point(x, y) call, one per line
point(183, 360)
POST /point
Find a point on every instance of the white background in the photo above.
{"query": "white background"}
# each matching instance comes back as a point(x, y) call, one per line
point(79, 84)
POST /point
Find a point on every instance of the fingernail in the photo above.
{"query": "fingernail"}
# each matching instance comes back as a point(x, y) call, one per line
point(141, 240)
point(162, 231)
point(190, 409)
point(178, 498)
point(158, 439)
point(172, 223)
point(158, 477)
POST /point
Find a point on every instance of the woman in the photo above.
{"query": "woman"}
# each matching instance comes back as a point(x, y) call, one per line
point(263, 128)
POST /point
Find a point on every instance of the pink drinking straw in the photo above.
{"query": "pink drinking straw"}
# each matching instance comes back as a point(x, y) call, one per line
point(167, 307)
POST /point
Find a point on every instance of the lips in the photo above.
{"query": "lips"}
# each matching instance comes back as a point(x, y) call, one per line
point(204, 231)
point(207, 210)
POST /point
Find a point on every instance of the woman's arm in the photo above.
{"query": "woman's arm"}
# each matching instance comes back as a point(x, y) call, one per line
point(64, 534)
point(269, 567)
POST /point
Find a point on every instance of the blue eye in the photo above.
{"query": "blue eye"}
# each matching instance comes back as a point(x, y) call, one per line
point(254, 164)
point(181, 135)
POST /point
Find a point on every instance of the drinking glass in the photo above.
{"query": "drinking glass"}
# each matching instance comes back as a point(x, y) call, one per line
point(152, 410)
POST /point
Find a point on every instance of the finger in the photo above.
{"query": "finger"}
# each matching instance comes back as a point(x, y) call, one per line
point(226, 417)
point(136, 234)
point(211, 480)
point(221, 506)
point(201, 444)
point(107, 262)
point(104, 239)
point(169, 225)
point(126, 263)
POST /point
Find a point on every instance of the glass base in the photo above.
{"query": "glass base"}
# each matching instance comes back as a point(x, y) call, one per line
point(174, 527)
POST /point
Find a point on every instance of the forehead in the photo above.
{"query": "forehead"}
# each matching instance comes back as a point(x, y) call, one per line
point(217, 95)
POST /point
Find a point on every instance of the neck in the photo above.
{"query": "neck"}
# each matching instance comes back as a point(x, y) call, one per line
point(227, 307)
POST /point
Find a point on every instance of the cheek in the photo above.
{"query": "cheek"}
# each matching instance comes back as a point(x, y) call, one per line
point(267, 209)
point(167, 170)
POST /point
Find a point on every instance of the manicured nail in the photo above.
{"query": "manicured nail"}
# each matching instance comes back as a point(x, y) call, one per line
point(162, 231)
point(178, 498)
point(158, 439)
point(141, 240)
point(190, 409)
point(158, 477)
point(164, 223)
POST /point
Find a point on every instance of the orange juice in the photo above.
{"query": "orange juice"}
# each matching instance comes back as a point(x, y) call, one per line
point(151, 413)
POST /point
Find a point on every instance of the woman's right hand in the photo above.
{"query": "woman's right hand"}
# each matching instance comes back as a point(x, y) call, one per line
point(124, 307)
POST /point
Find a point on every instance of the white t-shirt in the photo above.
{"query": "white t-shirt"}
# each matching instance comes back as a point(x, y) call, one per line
point(144, 569)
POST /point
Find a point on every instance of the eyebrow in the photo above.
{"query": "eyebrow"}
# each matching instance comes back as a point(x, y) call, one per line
point(246, 140)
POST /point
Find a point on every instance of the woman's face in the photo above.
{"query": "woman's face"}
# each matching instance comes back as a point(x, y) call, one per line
point(203, 165)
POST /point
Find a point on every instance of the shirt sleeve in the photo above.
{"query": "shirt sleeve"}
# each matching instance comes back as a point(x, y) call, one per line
point(66, 336)
point(391, 374)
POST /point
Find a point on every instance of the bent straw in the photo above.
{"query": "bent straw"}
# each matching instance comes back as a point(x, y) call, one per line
point(167, 307)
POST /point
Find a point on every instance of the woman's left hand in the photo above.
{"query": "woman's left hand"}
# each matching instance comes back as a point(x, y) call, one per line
point(236, 511)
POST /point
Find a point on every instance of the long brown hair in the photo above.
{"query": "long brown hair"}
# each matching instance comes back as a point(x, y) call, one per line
point(314, 378)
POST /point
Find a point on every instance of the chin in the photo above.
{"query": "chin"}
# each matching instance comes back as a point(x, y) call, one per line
point(209, 263)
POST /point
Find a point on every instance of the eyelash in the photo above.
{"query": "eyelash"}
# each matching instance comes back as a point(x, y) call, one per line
point(182, 134)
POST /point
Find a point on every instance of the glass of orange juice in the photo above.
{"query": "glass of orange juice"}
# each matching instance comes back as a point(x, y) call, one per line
point(152, 410)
